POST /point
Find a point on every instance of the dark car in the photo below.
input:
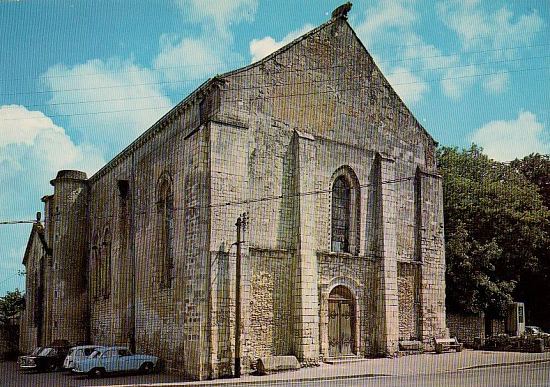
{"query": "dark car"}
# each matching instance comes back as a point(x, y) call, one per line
point(47, 359)
point(532, 330)
point(34, 352)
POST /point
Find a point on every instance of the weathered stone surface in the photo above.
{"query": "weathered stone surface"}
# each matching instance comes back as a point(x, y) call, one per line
point(270, 139)
point(467, 328)
point(270, 364)
point(410, 345)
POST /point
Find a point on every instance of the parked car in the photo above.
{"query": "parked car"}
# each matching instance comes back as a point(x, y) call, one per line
point(79, 353)
point(534, 331)
point(34, 352)
point(47, 359)
point(115, 359)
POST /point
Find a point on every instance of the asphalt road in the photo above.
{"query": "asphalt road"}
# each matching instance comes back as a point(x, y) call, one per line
point(11, 376)
point(526, 375)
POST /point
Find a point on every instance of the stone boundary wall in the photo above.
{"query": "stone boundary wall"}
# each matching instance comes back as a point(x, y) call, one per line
point(466, 327)
point(9, 337)
point(534, 344)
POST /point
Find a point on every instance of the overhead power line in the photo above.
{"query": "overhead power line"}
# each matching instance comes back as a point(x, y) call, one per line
point(413, 58)
point(152, 209)
point(524, 70)
point(310, 81)
point(17, 221)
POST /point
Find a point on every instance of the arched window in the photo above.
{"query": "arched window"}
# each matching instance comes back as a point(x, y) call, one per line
point(341, 200)
point(106, 264)
point(165, 230)
point(345, 212)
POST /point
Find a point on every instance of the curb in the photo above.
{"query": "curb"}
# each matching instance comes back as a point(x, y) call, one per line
point(275, 379)
point(235, 381)
point(492, 365)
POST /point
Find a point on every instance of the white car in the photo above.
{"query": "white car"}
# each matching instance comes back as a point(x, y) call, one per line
point(115, 359)
point(79, 353)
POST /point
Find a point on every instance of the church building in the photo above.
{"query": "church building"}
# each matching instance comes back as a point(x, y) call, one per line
point(342, 253)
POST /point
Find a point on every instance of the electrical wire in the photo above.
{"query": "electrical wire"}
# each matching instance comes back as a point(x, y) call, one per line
point(152, 209)
point(295, 83)
point(290, 70)
point(523, 70)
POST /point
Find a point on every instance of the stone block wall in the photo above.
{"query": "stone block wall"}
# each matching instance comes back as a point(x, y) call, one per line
point(432, 257)
point(270, 312)
point(408, 279)
point(165, 319)
point(466, 327)
point(358, 274)
point(356, 116)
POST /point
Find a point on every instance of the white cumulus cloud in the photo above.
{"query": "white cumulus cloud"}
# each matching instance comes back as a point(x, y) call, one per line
point(496, 83)
point(107, 103)
point(479, 26)
point(386, 20)
point(407, 85)
point(456, 81)
point(391, 24)
point(188, 61)
point(506, 140)
point(218, 15)
point(32, 149)
point(30, 140)
point(260, 48)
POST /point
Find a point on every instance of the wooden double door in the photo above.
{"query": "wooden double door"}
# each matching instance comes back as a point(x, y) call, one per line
point(341, 322)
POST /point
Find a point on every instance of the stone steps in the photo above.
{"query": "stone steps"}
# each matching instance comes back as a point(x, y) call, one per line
point(344, 359)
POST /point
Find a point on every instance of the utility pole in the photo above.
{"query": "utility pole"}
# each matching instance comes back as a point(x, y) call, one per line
point(241, 226)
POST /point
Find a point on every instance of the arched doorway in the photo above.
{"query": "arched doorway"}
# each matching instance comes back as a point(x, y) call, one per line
point(341, 322)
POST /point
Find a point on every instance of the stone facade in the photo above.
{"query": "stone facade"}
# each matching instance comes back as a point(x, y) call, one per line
point(154, 267)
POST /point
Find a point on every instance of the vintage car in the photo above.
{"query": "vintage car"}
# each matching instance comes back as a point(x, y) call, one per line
point(34, 352)
point(47, 359)
point(79, 353)
point(115, 359)
point(532, 330)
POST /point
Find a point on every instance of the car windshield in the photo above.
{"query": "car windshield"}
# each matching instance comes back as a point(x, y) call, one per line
point(89, 351)
point(47, 352)
point(36, 351)
point(95, 353)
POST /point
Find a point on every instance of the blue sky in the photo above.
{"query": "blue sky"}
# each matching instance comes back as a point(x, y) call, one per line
point(82, 79)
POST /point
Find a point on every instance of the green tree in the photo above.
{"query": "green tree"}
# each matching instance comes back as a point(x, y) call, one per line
point(535, 286)
point(495, 228)
point(536, 168)
point(10, 305)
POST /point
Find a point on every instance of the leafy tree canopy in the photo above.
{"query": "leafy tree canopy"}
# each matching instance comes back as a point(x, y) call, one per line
point(496, 227)
point(10, 305)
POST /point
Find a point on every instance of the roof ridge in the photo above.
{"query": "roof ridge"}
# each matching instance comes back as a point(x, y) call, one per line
point(284, 48)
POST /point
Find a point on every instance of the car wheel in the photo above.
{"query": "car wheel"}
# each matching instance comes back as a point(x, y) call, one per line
point(97, 372)
point(52, 367)
point(147, 368)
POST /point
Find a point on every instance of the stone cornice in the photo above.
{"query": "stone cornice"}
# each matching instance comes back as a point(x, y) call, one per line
point(158, 126)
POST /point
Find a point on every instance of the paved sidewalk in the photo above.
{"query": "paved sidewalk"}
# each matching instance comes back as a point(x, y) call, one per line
point(425, 364)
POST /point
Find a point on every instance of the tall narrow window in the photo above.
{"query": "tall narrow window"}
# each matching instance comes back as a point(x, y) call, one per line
point(106, 264)
point(341, 211)
point(166, 231)
point(95, 267)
